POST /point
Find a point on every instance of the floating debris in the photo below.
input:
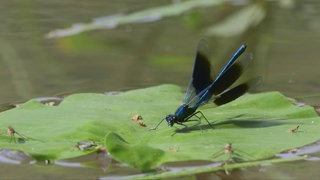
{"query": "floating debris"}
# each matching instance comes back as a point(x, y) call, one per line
point(174, 149)
point(136, 117)
point(139, 120)
point(86, 145)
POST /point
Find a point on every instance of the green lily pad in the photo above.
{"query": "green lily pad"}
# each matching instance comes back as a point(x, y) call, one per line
point(257, 125)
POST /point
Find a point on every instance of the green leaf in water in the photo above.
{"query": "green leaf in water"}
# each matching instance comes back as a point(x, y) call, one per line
point(141, 156)
point(257, 125)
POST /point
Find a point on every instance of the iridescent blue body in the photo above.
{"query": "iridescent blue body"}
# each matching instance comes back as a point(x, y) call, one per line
point(181, 115)
point(203, 88)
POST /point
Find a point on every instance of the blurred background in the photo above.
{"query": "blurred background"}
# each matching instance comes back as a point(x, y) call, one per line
point(51, 48)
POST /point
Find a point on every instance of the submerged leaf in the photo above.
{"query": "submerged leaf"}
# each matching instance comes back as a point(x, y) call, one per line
point(238, 22)
point(143, 16)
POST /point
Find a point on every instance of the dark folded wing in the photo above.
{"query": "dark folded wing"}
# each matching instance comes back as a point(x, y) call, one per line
point(237, 91)
point(231, 72)
point(201, 73)
point(228, 75)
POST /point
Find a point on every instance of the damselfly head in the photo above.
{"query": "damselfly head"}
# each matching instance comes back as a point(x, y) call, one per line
point(171, 119)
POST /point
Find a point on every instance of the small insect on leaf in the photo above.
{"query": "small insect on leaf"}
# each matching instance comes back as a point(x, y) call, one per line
point(86, 145)
point(174, 149)
point(233, 155)
point(11, 131)
point(228, 148)
point(294, 130)
point(293, 151)
point(139, 120)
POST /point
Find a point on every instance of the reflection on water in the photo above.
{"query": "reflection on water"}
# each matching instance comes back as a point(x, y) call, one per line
point(285, 44)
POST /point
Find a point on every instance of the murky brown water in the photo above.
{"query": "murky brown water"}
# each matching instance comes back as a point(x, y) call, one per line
point(285, 45)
